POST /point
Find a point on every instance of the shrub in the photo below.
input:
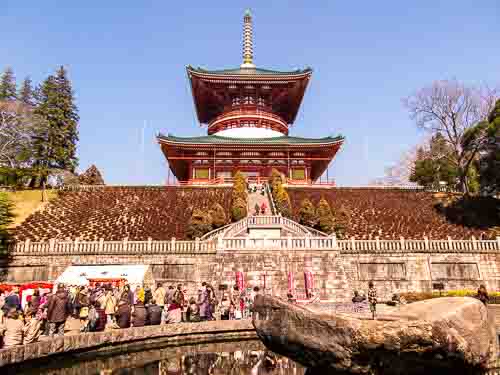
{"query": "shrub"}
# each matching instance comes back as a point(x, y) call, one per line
point(199, 224)
point(218, 216)
point(282, 201)
point(307, 213)
point(324, 216)
point(238, 209)
point(92, 176)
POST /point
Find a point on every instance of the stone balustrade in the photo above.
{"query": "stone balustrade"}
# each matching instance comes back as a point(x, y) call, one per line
point(213, 246)
point(178, 334)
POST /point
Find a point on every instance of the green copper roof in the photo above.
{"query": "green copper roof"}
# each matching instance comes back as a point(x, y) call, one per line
point(249, 71)
point(215, 139)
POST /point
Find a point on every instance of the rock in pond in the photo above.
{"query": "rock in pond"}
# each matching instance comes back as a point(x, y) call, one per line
point(444, 335)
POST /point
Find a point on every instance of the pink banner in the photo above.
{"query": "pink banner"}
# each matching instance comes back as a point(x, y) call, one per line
point(291, 282)
point(240, 281)
point(309, 283)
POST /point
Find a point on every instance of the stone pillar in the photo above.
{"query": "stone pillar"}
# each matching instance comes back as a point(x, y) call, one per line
point(377, 243)
point(426, 242)
point(101, 245)
point(125, 244)
point(474, 243)
point(335, 244)
point(353, 243)
point(52, 245)
point(172, 242)
point(75, 245)
point(27, 245)
point(289, 241)
point(402, 242)
point(197, 244)
point(498, 242)
point(149, 244)
point(450, 244)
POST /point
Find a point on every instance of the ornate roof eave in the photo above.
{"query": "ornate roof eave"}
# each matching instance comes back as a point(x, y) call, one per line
point(315, 143)
point(248, 75)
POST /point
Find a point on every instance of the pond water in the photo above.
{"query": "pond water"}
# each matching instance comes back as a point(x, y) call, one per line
point(228, 358)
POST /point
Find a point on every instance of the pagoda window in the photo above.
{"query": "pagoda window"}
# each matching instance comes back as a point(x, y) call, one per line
point(224, 153)
point(261, 102)
point(276, 154)
point(197, 162)
point(236, 101)
point(201, 153)
point(298, 174)
point(299, 154)
point(251, 153)
point(201, 173)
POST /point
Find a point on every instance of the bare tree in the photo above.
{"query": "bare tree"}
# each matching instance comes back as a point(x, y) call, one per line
point(18, 125)
point(399, 173)
point(451, 108)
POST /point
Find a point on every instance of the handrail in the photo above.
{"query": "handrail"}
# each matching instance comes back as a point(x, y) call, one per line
point(270, 198)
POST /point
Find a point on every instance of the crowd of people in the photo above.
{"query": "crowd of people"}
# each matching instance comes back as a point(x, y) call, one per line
point(75, 309)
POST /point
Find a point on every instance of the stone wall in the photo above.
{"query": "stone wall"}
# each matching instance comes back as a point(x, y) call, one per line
point(336, 273)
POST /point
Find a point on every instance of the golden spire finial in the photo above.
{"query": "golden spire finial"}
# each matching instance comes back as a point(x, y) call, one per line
point(247, 41)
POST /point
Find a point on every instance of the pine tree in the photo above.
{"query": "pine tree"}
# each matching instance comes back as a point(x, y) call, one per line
point(325, 216)
point(199, 224)
point(26, 94)
point(218, 216)
point(307, 213)
point(8, 85)
point(55, 145)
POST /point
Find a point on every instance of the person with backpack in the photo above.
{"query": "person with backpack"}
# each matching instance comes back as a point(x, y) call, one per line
point(58, 309)
point(139, 313)
point(123, 313)
point(154, 313)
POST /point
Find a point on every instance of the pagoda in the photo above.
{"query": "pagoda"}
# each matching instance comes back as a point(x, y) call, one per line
point(248, 112)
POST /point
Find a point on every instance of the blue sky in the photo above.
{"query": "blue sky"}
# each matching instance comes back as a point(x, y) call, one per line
point(127, 63)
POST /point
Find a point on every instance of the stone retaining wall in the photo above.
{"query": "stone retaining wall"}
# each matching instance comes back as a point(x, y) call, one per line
point(336, 273)
point(178, 334)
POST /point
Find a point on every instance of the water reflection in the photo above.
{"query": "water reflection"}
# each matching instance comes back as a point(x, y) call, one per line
point(233, 358)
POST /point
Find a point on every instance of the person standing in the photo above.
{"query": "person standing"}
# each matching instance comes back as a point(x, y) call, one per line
point(482, 294)
point(110, 307)
point(123, 313)
point(12, 329)
point(372, 298)
point(58, 311)
point(174, 314)
point(32, 328)
point(204, 302)
point(159, 295)
point(154, 313)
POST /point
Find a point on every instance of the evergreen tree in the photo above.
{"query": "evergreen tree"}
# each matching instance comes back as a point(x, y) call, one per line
point(26, 94)
point(8, 85)
point(238, 209)
point(218, 216)
point(325, 216)
point(55, 146)
point(307, 213)
point(199, 224)
point(490, 161)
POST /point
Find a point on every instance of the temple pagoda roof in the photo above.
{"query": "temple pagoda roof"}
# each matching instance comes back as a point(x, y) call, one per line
point(218, 140)
point(249, 72)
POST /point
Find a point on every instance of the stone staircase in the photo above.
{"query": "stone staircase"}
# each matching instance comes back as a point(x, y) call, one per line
point(258, 198)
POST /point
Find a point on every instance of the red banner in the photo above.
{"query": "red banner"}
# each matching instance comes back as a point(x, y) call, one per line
point(240, 281)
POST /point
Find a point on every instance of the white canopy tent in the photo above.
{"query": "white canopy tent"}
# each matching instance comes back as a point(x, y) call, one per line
point(135, 274)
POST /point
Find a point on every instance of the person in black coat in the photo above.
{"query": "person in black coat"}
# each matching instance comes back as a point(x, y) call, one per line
point(123, 314)
point(154, 313)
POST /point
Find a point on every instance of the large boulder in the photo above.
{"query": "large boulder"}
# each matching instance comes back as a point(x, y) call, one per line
point(449, 335)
